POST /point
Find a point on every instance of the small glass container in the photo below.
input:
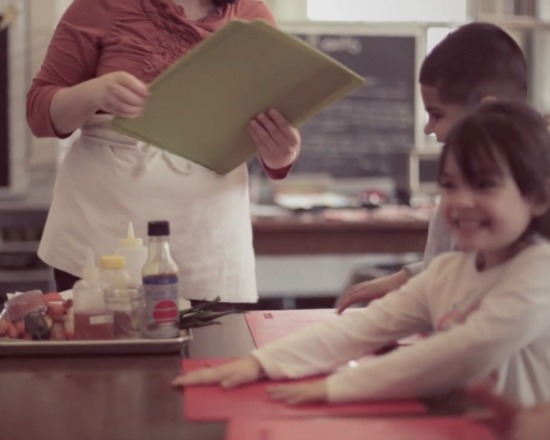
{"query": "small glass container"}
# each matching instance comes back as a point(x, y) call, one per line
point(127, 303)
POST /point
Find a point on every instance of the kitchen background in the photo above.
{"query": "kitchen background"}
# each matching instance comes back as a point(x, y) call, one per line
point(32, 162)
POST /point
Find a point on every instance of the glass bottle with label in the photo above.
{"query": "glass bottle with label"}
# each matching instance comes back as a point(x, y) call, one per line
point(160, 283)
point(92, 319)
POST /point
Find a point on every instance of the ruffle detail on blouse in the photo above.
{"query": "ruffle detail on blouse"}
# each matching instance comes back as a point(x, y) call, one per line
point(165, 16)
point(176, 36)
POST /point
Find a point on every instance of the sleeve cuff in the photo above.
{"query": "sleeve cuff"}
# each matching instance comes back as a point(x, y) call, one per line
point(271, 373)
point(414, 268)
point(276, 173)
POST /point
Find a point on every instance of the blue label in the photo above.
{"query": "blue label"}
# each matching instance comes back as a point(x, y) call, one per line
point(155, 280)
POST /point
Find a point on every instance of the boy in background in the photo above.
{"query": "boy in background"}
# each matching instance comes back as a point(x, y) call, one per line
point(475, 63)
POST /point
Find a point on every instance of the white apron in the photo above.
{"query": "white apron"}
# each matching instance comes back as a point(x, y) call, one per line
point(107, 179)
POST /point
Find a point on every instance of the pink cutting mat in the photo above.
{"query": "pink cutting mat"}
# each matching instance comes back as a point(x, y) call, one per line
point(423, 428)
point(211, 402)
point(267, 326)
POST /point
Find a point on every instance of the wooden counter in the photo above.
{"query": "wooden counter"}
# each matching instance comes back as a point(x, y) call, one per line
point(110, 397)
point(306, 235)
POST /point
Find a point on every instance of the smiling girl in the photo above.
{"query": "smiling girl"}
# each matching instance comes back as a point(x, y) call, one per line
point(489, 304)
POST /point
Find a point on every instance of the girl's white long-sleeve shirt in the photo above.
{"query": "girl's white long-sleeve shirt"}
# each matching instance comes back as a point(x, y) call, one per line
point(490, 322)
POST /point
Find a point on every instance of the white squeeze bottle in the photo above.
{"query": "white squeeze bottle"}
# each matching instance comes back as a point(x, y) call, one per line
point(135, 253)
point(92, 319)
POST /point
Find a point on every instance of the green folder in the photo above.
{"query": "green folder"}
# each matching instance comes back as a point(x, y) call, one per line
point(199, 108)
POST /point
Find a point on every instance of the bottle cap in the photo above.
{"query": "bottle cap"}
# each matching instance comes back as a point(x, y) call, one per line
point(158, 228)
point(130, 241)
point(112, 262)
point(89, 271)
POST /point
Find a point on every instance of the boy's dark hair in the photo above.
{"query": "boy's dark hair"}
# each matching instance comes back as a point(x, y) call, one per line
point(224, 2)
point(510, 134)
point(474, 61)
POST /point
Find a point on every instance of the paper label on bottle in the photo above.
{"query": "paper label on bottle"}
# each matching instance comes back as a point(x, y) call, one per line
point(161, 300)
point(101, 319)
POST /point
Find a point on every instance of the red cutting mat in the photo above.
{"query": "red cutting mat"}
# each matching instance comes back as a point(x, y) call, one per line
point(211, 402)
point(421, 428)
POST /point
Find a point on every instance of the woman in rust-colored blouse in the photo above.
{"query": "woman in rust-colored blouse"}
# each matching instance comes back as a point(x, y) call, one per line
point(99, 62)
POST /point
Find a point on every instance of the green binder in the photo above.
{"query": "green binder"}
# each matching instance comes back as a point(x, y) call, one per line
point(199, 108)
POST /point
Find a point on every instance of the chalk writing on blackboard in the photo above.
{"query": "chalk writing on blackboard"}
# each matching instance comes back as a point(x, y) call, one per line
point(371, 132)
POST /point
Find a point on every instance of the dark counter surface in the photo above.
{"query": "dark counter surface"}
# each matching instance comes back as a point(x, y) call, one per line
point(110, 397)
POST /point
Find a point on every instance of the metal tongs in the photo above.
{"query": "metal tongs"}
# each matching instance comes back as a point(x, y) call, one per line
point(202, 315)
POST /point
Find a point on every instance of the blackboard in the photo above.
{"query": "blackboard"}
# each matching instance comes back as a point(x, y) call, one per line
point(4, 111)
point(371, 132)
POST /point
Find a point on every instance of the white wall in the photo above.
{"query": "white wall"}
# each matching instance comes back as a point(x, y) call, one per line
point(541, 59)
point(288, 10)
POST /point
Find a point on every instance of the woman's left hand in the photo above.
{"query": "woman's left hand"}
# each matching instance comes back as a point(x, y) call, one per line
point(295, 394)
point(278, 142)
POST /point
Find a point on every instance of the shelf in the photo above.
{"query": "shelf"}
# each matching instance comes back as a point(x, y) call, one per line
point(18, 246)
point(25, 275)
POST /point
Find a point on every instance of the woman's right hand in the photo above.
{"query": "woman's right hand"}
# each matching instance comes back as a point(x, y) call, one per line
point(119, 93)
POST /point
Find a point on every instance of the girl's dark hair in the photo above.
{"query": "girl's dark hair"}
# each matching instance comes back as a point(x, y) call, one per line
point(224, 2)
point(511, 132)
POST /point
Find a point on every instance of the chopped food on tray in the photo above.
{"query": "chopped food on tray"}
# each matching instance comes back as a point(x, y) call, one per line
point(36, 316)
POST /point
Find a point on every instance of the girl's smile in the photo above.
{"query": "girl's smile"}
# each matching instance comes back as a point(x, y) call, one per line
point(488, 215)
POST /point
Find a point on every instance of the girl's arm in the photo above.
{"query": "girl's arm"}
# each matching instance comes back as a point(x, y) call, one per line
point(511, 317)
point(324, 346)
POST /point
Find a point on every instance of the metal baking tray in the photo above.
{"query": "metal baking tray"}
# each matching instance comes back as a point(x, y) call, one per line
point(18, 347)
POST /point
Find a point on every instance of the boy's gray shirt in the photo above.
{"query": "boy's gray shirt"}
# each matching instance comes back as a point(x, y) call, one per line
point(439, 241)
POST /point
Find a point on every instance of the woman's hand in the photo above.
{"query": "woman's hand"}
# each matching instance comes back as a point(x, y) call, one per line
point(119, 93)
point(228, 375)
point(295, 394)
point(278, 142)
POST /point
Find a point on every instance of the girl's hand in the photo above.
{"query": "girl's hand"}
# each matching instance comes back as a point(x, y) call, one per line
point(278, 142)
point(228, 375)
point(119, 93)
point(370, 290)
point(295, 394)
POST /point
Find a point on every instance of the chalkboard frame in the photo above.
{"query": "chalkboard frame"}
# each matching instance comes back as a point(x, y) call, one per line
point(18, 133)
point(4, 110)
point(417, 31)
point(423, 166)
